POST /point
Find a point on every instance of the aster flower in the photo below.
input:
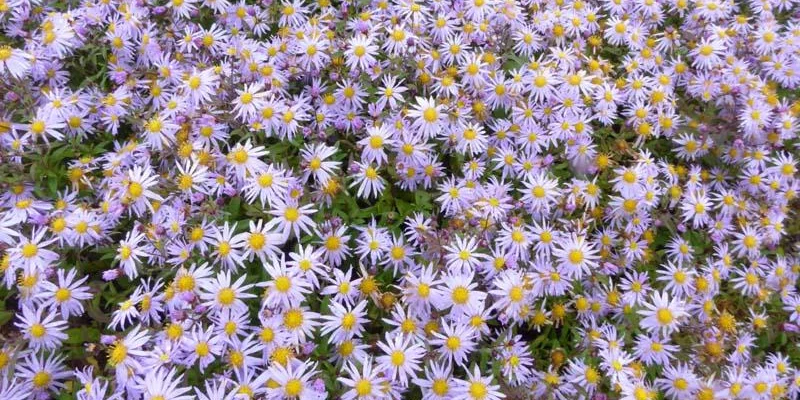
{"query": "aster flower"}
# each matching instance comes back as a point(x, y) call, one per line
point(365, 383)
point(32, 253)
point(427, 116)
point(42, 332)
point(478, 387)
point(13, 61)
point(42, 375)
point(576, 256)
point(199, 86)
point(245, 159)
point(287, 287)
point(294, 382)
point(662, 314)
point(221, 293)
point(159, 382)
point(345, 322)
point(455, 342)
point(291, 218)
point(66, 295)
point(401, 358)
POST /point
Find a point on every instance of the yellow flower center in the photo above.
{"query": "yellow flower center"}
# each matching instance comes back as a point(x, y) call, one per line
point(664, 316)
point(194, 82)
point(135, 190)
point(257, 240)
point(430, 115)
point(240, 156)
point(117, 354)
point(293, 318)
point(453, 343)
point(41, 379)
point(440, 387)
point(291, 214)
point(460, 295)
point(398, 358)
point(363, 388)
point(478, 390)
point(515, 294)
point(62, 295)
point(283, 284)
point(226, 296)
point(576, 256)
point(38, 330)
point(293, 387)
point(29, 250)
point(38, 127)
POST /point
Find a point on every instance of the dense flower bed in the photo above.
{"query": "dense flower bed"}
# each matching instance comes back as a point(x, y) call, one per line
point(386, 199)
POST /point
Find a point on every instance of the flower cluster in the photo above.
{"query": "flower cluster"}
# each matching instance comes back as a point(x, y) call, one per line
point(386, 199)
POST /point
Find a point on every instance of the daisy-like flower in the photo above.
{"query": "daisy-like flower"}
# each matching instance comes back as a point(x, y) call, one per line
point(259, 241)
point(221, 294)
point(289, 217)
point(307, 260)
point(477, 387)
point(461, 293)
point(163, 384)
point(42, 332)
point(267, 185)
point(32, 252)
point(374, 143)
point(402, 355)
point(511, 293)
point(129, 252)
point(160, 132)
point(366, 383)
point(696, 209)
point(463, 255)
point(228, 248)
point(576, 256)
point(299, 323)
point(316, 157)
point(245, 159)
point(124, 315)
point(137, 189)
point(192, 177)
point(540, 192)
point(313, 51)
point(369, 181)
point(287, 287)
point(342, 287)
point(42, 375)
point(66, 296)
point(345, 322)
point(125, 354)
point(678, 381)
point(360, 53)
point(455, 342)
point(200, 86)
point(438, 383)
point(662, 314)
point(202, 347)
point(294, 382)
point(422, 290)
point(427, 116)
point(13, 61)
point(748, 242)
point(45, 126)
point(249, 101)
